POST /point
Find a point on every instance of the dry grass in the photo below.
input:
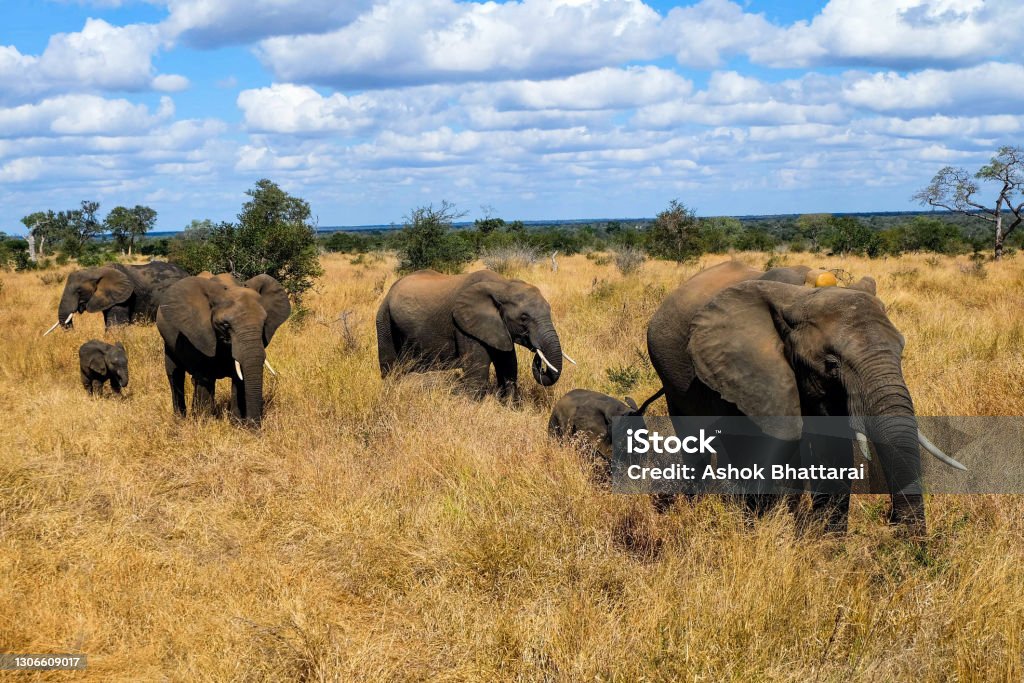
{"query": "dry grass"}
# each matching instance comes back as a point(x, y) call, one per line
point(397, 531)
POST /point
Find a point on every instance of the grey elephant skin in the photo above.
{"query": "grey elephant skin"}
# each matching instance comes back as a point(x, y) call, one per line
point(100, 362)
point(214, 328)
point(125, 294)
point(588, 415)
point(730, 341)
point(431, 321)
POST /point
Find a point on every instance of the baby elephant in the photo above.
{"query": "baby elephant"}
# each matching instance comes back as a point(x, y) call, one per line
point(589, 414)
point(101, 362)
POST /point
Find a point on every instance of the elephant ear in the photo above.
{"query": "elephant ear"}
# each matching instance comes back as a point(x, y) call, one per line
point(274, 300)
point(191, 313)
point(97, 363)
point(865, 284)
point(113, 287)
point(477, 312)
point(737, 349)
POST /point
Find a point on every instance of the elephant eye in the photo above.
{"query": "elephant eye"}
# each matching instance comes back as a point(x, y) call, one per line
point(832, 365)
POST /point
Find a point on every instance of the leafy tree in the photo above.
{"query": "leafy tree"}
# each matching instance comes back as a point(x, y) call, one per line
point(78, 227)
point(675, 234)
point(273, 235)
point(755, 239)
point(125, 224)
point(430, 241)
point(955, 189)
point(194, 250)
point(847, 235)
point(41, 226)
point(718, 234)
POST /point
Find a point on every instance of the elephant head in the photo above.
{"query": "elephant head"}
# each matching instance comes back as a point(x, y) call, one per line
point(240, 319)
point(775, 349)
point(92, 290)
point(500, 313)
point(110, 360)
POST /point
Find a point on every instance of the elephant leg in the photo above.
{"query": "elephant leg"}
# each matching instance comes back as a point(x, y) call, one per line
point(387, 352)
point(203, 394)
point(237, 399)
point(86, 382)
point(97, 386)
point(476, 364)
point(506, 369)
point(176, 378)
point(833, 510)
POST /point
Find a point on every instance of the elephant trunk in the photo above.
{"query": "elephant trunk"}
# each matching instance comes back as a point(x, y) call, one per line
point(546, 342)
point(249, 353)
point(892, 426)
point(68, 306)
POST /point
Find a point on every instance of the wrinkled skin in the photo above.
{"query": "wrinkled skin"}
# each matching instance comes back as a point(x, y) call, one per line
point(589, 414)
point(729, 342)
point(209, 324)
point(125, 294)
point(100, 362)
point(431, 321)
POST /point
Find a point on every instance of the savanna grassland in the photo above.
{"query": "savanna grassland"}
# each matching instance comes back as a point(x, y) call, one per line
point(397, 530)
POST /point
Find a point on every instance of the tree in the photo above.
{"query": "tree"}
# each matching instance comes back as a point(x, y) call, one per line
point(847, 235)
point(78, 227)
point(193, 248)
point(430, 241)
point(41, 226)
point(955, 189)
point(675, 234)
point(810, 227)
point(126, 224)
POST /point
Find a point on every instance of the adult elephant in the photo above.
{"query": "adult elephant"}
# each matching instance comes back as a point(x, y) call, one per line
point(728, 342)
point(433, 321)
point(214, 328)
point(124, 294)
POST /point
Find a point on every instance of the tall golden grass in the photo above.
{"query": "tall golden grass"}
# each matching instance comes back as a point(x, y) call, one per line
point(397, 530)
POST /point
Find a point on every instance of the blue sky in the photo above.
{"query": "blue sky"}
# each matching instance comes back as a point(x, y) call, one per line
point(535, 109)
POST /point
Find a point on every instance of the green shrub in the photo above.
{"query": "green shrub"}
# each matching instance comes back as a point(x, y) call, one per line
point(429, 241)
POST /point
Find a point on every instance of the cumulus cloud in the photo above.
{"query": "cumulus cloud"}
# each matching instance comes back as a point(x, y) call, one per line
point(704, 34)
point(99, 57)
point(420, 41)
point(897, 33)
point(987, 88)
point(214, 23)
point(81, 115)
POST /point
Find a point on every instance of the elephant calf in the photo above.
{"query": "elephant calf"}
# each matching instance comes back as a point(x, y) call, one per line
point(101, 362)
point(587, 416)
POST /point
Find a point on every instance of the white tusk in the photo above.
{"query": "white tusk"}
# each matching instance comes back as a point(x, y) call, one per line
point(52, 328)
point(238, 369)
point(934, 450)
point(70, 316)
point(862, 441)
point(267, 363)
point(568, 359)
point(546, 362)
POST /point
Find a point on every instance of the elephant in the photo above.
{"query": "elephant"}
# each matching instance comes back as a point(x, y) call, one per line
point(730, 342)
point(213, 328)
point(100, 362)
point(431, 321)
point(800, 275)
point(125, 294)
point(589, 414)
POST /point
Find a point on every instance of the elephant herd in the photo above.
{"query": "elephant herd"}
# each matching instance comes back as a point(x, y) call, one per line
point(730, 341)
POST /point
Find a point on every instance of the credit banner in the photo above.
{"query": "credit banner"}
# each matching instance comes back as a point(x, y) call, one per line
point(781, 455)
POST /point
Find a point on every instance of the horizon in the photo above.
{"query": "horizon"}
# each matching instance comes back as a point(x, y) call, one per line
point(371, 108)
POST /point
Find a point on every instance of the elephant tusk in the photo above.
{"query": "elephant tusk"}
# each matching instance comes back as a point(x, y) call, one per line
point(52, 328)
point(934, 450)
point(238, 369)
point(70, 316)
point(546, 362)
point(862, 441)
point(267, 363)
point(566, 356)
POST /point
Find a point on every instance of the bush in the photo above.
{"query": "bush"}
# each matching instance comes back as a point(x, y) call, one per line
point(629, 260)
point(429, 241)
point(509, 260)
point(675, 235)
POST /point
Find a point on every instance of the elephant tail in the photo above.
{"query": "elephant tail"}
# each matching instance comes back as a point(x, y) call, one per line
point(386, 352)
point(643, 406)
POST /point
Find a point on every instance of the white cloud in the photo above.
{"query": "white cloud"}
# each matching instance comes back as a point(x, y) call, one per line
point(988, 88)
point(81, 115)
point(703, 34)
point(99, 57)
point(420, 41)
point(213, 23)
point(170, 83)
point(898, 33)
